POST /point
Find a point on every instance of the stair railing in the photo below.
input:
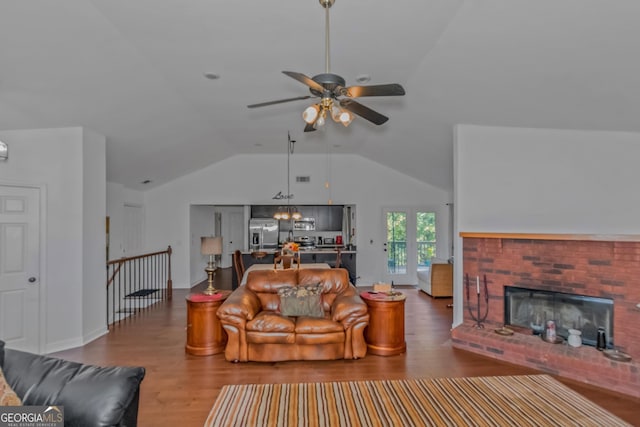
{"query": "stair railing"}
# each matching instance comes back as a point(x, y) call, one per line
point(137, 283)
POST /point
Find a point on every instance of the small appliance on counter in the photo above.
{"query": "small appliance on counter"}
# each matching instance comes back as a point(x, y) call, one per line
point(305, 242)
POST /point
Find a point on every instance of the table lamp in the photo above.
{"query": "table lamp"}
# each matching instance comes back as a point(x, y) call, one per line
point(211, 246)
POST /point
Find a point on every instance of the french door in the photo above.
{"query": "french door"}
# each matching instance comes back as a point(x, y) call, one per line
point(409, 245)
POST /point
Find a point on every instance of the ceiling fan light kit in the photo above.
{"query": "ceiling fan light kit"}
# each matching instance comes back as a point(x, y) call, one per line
point(330, 87)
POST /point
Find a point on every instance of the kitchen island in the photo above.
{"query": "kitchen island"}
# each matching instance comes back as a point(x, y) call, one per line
point(309, 256)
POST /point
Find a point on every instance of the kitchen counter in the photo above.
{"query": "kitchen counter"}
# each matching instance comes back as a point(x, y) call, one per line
point(306, 251)
point(310, 256)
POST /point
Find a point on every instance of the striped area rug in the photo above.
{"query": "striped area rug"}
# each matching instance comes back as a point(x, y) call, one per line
point(527, 400)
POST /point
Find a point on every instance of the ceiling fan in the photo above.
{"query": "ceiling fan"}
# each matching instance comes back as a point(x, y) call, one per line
point(336, 99)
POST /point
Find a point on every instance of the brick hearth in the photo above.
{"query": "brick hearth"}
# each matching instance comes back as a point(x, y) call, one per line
point(608, 269)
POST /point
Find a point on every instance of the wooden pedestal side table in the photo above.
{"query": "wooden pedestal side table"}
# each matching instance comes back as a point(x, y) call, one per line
point(385, 333)
point(205, 335)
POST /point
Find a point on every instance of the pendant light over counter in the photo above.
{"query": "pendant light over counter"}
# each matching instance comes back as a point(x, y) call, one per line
point(285, 213)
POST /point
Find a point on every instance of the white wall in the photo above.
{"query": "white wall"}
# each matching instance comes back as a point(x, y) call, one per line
point(94, 206)
point(116, 219)
point(516, 180)
point(117, 197)
point(548, 181)
point(201, 224)
point(55, 160)
point(255, 179)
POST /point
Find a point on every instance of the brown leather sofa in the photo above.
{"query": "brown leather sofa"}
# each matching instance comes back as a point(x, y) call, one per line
point(257, 331)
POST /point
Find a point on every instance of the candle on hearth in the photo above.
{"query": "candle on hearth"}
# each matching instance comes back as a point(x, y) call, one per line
point(478, 284)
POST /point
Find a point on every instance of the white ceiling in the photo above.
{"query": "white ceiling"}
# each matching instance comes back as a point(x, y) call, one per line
point(132, 70)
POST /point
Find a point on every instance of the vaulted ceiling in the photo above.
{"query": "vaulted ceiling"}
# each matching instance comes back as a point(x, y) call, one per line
point(134, 72)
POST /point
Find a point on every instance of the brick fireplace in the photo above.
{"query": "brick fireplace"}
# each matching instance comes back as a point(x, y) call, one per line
point(605, 267)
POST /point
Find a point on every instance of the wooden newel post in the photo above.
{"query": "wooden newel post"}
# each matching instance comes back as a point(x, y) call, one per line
point(169, 281)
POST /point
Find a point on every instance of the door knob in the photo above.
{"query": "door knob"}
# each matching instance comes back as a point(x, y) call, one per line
point(32, 279)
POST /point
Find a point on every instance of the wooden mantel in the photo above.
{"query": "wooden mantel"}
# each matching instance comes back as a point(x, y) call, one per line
point(543, 236)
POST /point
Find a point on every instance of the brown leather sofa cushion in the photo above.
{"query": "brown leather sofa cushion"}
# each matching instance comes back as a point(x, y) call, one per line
point(265, 284)
point(269, 321)
point(271, 338)
point(320, 339)
point(334, 281)
point(309, 325)
point(269, 281)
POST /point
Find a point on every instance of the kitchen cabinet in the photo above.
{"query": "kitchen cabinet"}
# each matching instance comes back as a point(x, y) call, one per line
point(335, 217)
point(285, 225)
point(348, 261)
point(263, 211)
point(329, 218)
point(307, 211)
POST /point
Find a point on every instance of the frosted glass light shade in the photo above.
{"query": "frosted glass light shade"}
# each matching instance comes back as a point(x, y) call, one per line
point(335, 113)
point(310, 114)
point(346, 118)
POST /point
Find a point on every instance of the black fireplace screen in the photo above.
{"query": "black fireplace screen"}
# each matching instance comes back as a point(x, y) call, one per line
point(532, 308)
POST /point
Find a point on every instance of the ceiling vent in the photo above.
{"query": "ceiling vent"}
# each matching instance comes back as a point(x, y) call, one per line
point(303, 178)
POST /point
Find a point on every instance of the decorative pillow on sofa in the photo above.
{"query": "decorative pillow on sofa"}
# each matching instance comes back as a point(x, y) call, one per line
point(8, 397)
point(301, 301)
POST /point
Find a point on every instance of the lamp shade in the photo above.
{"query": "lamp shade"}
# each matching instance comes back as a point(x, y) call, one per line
point(211, 245)
point(295, 213)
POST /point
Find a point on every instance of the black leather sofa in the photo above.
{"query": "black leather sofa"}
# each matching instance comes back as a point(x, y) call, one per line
point(92, 396)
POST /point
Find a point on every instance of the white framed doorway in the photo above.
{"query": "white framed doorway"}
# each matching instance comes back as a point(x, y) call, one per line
point(232, 230)
point(228, 221)
point(409, 242)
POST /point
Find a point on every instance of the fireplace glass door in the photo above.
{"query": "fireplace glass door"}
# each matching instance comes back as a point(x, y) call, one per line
point(532, 308)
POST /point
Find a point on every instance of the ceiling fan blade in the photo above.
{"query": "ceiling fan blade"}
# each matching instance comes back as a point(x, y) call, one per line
point(362, 111)
point(305, 80)
point(393, 89)
point(279, 101)
point(309, 128)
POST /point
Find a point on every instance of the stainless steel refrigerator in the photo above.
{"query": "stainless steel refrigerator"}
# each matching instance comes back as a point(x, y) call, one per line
point(263, 234)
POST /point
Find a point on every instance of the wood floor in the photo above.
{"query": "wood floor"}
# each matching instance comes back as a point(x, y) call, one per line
point(180, 389)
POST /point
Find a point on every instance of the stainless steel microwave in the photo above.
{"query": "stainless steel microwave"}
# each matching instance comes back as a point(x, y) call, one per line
point(305, 224)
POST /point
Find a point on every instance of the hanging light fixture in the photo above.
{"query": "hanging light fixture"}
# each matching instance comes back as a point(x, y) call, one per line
point(327, 183)
point(337, 100)
point(286, 213)
point(316, 114)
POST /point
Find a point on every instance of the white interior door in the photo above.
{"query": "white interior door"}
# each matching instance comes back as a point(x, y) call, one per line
point(20, 267)
point(410, 243)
